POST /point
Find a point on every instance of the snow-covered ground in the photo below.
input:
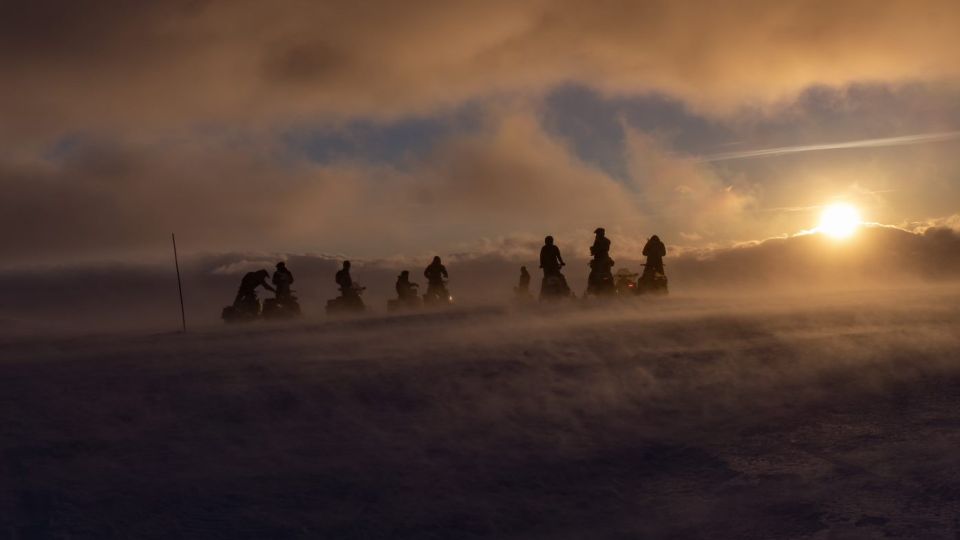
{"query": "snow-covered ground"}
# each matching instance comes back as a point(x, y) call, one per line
point(834, 416)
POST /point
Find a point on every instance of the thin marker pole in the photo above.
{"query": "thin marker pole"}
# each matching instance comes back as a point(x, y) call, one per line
point(176, 262)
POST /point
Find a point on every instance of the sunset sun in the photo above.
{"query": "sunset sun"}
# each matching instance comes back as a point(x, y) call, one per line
point(839, 220)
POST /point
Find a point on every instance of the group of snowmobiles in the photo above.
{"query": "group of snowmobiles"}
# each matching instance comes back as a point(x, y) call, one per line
point(601, 283)
point(247, 307)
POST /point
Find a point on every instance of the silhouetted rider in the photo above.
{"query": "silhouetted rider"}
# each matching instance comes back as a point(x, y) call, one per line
point(405, 289)
point(550, 259)
point(436, 272)
point(601, 244)
point(524, 284)
point(247, 294)
point(282, 278)
point(344, 280)
point(655, 251)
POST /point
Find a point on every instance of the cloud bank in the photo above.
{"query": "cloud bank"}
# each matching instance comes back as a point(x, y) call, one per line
point(507, 177)
point(97, 297)
point(113, 63)
point(124, 122)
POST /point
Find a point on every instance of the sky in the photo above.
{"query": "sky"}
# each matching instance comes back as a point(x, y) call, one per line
point(380, 129)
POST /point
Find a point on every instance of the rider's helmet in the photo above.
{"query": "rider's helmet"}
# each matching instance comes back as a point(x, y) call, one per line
point(599, 230)
point(281, 265)
point(548, 240)
point(436, 260)
point(346, 264)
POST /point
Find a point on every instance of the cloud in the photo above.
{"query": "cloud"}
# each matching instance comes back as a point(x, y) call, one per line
point(951, 222)
point(125, 122)
point(115, 198)
point(112, 63)
point(682, 194)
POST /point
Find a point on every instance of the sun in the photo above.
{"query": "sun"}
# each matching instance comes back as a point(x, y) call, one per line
point(839, 220)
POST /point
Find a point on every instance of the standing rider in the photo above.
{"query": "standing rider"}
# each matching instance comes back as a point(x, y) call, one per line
point(435, 274)
point(247, 294)
point(655, 251)
point(601, 276)
point(282, 278)
point(601, 244)
point(550, 259)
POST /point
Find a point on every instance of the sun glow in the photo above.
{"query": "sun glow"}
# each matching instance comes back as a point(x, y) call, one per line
point(839, 220)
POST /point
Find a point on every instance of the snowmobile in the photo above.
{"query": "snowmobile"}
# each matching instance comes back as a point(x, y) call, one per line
point(285, 307)
point(347, 302)
point(411, 302)
point(243, 310)
point(437, 295)
point(600, 281)
point(625, 282)
point(653, 281)
point(554, 287)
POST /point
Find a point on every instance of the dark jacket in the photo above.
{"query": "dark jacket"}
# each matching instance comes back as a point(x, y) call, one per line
point(655, 249)
point(283, 277)
point(600, 247)
point(435, 273)
point(550, 259)
point(343, 279)
point(252, 280)
point(404, 287)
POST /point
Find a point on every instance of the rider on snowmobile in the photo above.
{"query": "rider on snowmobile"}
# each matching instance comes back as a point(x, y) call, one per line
point(282, 278)
point(601, 244)
point(601, 277)
point(524, 284)
point(247, 293)
point(435, 274)
point(550, 259)
point(655, 251)
point(345, 282)
point(405, 289)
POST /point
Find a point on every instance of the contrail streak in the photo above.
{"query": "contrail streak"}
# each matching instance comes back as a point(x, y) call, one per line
point(866, 143)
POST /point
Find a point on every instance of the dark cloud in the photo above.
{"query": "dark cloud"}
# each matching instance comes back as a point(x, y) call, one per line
point(110, 63)
point(114, 197)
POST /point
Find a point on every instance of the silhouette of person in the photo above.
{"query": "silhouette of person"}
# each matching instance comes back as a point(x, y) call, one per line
point(655, 251)
point(344, 280)
point(550, 259)
point(405, 289)
point(524, 284)
point(282, 279)
point(436, 272)
point(247, 294)
point(601, 245)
